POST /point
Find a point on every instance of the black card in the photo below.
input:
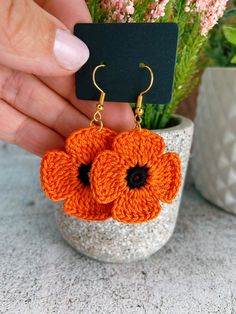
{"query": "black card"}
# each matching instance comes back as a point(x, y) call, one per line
point(122, 47)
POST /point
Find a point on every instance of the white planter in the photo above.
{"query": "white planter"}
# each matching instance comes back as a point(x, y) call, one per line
point(112, 241)
point(214, 148)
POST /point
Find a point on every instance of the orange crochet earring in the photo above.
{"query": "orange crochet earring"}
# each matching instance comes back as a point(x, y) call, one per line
point(135, 174)
point(65, 175)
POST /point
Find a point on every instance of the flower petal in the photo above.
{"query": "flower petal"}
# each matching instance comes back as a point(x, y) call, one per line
point(85, 144)
point(165, 177)
point(138, 146)
point(83, 206)
point(136, 206)
point(58, 174)
point(107, 177)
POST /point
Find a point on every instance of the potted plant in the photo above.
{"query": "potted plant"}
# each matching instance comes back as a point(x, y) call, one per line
point(214, 153)
point(114, 241)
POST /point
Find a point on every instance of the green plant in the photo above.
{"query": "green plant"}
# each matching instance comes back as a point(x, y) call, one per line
point(230, 34)
point(194, 17)
point(221, 47)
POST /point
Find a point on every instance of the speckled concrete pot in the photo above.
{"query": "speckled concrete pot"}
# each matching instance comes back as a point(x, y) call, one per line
point(116, 242)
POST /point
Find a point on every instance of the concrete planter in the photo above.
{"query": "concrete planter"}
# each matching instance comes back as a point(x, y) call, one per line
point(116, 242)
point(214, 149)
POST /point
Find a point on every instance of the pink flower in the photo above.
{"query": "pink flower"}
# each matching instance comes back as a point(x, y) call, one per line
point(156, 10)
point(210, 12)
point(118, 10)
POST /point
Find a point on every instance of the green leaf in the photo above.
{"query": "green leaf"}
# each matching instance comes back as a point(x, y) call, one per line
point(231, 12)
point(230, 33)
point(233, 60)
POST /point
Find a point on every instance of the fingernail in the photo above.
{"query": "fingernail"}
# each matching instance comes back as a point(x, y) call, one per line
point(71, 52)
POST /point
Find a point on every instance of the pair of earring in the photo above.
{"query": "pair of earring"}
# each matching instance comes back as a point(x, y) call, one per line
point(102, 174)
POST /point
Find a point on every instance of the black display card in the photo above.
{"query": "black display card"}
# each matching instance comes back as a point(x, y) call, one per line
point(122, 47)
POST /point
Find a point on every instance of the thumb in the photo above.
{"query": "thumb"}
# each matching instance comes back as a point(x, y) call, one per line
point(33, 41)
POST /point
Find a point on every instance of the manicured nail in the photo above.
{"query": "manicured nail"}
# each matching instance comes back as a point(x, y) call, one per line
point(71, 52)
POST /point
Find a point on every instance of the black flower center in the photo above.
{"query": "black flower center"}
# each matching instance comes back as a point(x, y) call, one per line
point(84, 173)
point(137, 176)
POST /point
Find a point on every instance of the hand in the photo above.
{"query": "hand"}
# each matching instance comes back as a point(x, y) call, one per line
point(38, 56)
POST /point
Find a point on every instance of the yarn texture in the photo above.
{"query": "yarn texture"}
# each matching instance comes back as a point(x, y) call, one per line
point(65, 175)
point(135, 175)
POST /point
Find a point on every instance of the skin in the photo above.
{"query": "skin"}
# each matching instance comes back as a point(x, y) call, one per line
point(38, 107)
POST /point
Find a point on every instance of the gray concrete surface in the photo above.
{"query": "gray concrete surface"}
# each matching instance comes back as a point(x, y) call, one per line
point(39, 273)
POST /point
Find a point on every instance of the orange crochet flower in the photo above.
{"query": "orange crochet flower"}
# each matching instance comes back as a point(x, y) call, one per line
point(66, 175)
point(136, 175)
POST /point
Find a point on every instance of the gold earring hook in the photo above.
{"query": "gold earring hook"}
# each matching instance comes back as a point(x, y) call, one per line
point(138, 109)
point(97, 118)
point(103, 94)
point(143, 65)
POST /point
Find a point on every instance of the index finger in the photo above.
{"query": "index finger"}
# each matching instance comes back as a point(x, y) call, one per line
point(68, 11)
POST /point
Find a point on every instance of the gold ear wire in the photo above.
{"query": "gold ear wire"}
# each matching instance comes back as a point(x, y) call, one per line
point(103, 94)
point(97, 118)
point(138, 108)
